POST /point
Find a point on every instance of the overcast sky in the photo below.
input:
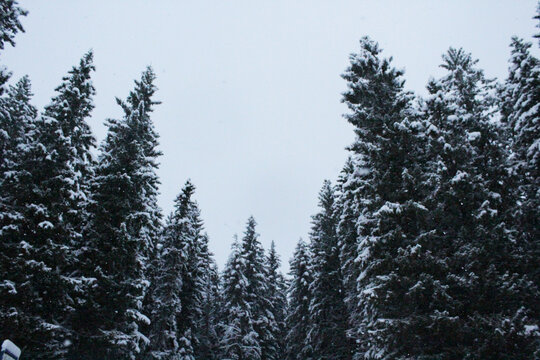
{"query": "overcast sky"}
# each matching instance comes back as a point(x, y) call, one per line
point(251, 89)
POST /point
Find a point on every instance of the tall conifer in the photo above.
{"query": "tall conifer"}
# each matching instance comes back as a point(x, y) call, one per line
point(47, 192)
point(124, 224)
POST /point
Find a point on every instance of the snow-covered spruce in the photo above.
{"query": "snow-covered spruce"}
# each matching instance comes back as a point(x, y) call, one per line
point(124, 223)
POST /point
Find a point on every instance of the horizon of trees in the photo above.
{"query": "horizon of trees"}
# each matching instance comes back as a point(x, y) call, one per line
point(426, 247)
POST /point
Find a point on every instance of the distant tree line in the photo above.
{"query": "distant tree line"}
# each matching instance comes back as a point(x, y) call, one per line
point(426, 247)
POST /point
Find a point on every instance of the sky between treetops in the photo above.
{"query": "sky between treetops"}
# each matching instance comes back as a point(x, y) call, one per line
point(251, 90)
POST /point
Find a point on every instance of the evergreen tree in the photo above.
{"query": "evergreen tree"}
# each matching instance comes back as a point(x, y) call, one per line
point(16, 117)
point(208, 334)
point(277, 292)
point(182, 263)
point(347, 207)
point(123, 227)
point(239, 341)
point(380, 201)
point(521, 111)
point(298, 315)
point(329, 323)
point(71, 107)
point(249, 324)
point(44, 188)
point(482, 318)
point(520, 99)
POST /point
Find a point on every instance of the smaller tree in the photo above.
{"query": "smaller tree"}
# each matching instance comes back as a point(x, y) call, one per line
point(240, 340)
point(298, 319)
point(178, 288)
point(277, 291)
point(327, 334)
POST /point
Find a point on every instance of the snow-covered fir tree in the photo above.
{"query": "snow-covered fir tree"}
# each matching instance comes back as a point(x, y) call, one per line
point(182, 265)
point(299, 297)
point(16, 121)
point(277, 291)
point(46, 190)
point(16, 117)
point(520, 108)
point(208, 332)
point(239, 340)
point(480, 316)
point(248, 324)
point(348, 205)
point(71, 107)
point(380, 194)
point(124, 225)
point(329, 321)
point(520, 100)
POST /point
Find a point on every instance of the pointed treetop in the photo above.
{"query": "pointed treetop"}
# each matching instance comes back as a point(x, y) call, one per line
point(326, 195)
point(250, 227)
point(22, 90)
point(374, 88)
point(19, 96)
point(457, 58)
point(185, 195)
point(141, 97)
point(74, 96)
point(273, 258)
point(520, 51)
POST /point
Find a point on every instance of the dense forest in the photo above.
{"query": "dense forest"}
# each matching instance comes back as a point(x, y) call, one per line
point(426, 247)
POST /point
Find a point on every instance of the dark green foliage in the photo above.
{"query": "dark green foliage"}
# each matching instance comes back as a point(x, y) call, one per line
point(239, 341)
point(329, 322)
point(277, 292)
point(298, 315)
point(182, 264)
point(382, 188)
point(468, 207)
point(123, 228)
point(207, 332)
point(43, 191)
point(248, 322)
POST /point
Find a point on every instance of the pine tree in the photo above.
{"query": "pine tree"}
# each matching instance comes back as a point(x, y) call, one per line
point(467, 207)
point(123, 227)
point(380, 201)
point(240, 340)
point(249, 324)
point(347, 207)
point(71, 107)
point(46, 191)
point(207, 333)
point(16, 116)
point(277, 292)
point(17, 120)
point(183, 262)
point(327, 332)
point(521, 111)
point(520, 108)
point(299, 296)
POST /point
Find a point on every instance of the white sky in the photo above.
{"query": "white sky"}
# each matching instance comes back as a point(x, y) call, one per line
point(251, 89)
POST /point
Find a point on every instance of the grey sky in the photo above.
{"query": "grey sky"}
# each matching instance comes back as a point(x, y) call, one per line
point(251, 89)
